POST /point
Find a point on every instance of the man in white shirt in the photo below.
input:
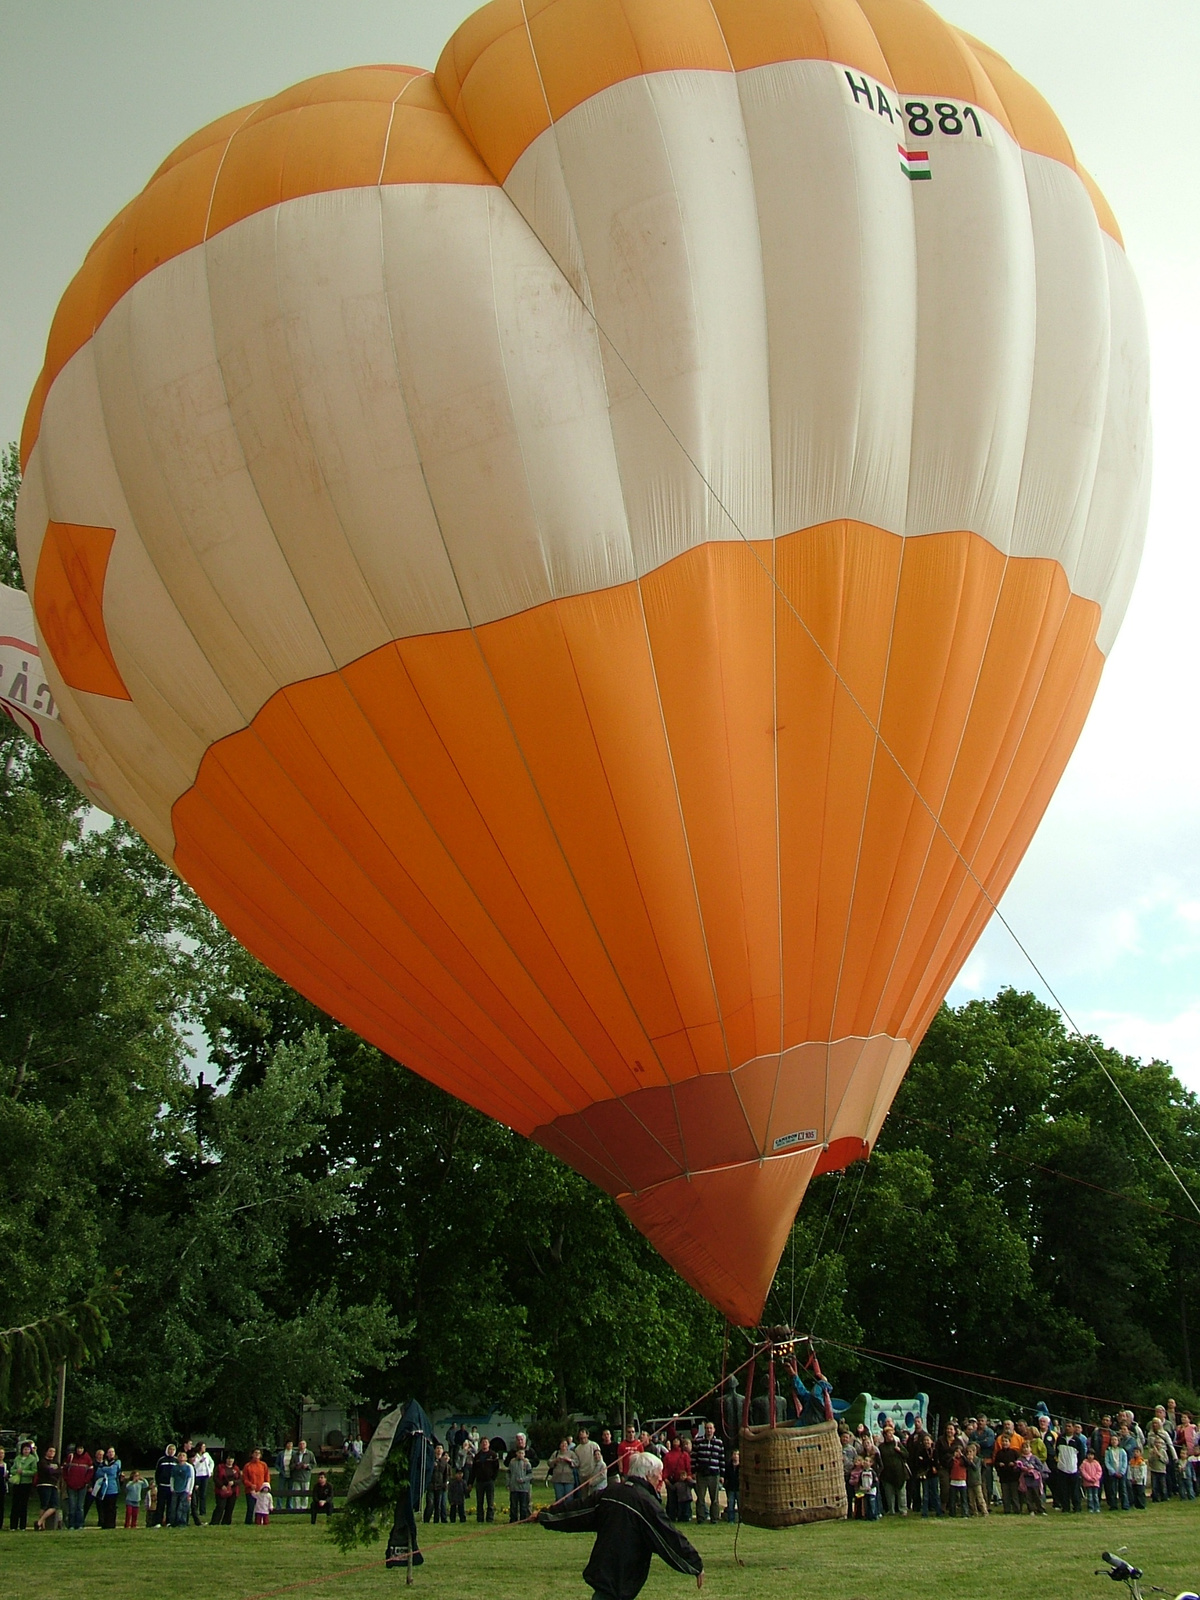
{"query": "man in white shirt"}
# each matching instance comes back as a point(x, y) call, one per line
point(204, 1466)
point(1068, 1488)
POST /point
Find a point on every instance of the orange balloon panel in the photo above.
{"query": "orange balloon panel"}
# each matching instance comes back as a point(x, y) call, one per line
point(593, 561)
point(565, 865)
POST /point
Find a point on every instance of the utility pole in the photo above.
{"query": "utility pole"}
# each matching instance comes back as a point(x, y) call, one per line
point(59, 1403)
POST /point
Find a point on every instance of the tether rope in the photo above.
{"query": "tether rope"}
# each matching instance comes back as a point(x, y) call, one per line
point(890, 1360)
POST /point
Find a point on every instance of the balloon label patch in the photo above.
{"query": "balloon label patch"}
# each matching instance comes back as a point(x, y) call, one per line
point(917, 119)
point(788, 1141)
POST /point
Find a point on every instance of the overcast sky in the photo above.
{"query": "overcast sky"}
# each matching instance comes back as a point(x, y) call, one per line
point(93, 94)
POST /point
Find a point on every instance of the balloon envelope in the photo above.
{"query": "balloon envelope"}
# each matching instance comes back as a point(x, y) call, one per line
point(593, 561)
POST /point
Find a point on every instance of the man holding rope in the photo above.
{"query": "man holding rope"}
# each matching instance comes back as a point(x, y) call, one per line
point(630, 1526)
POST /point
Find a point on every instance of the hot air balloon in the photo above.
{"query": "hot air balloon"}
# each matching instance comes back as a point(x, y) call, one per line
point(25, 696)
point(592, 561)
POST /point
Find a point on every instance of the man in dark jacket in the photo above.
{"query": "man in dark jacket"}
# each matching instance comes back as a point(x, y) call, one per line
point(484, 1470)
point(163, 1468)
point(630, 1526)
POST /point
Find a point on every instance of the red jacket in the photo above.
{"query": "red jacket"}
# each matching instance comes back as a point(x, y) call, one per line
point(677, 1464)
point(77, 1473)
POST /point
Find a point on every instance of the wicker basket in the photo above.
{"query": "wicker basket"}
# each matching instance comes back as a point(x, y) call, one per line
point(791, 1475)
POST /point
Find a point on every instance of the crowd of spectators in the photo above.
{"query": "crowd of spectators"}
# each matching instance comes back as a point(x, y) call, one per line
point(696, 1471)
point(973, 1468)
point(970, 1469)
point(172, 1494)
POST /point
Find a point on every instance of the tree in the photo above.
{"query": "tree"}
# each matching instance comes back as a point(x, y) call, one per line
point(10, 482)
point(1013, 1218)
point(208, 1252)
point(31, 1355)
point(523, 1284)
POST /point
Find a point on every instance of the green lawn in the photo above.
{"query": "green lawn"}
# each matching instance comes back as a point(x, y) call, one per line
point(1048, 1559)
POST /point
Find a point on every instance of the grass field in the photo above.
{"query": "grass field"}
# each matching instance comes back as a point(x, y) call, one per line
point(903, 1559)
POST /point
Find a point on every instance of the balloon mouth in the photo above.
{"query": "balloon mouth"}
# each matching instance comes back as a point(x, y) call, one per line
point(713, 1169)
point(724, 1230)
point(823, 1099)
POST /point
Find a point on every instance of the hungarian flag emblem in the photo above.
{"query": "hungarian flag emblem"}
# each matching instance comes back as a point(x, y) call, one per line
point(914, 163)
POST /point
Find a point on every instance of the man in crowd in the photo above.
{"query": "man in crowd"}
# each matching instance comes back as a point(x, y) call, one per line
point(677, 1472)
point(254, 1474)
point(300, 1472)
point(630, 1528)
point(629, 1446)
point(708, 1461)
point(522, 1443)
point(484, 1470)
point(593, 1469)
point(610, 1450)
point(1068, 1490)
point(923, 1461)
point(162, 1488)
point(983, 1437)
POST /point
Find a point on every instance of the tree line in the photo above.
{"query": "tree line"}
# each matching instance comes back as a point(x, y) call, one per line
point(269, 1208)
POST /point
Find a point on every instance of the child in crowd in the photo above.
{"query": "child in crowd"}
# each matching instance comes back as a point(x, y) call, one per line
point(733, 1474)
point(1091, 1473)
point(263, 1501)
point(135, 1492)
point(1030, 1480)
point(322, 1498)
point(458, 1496)
point(958, 1485)
point(865, 1506)
point(1138, 1472)
point(976, 1499)
point(520, 1486)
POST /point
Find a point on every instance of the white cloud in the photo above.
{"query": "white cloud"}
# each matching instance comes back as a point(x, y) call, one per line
point(1174, 1039)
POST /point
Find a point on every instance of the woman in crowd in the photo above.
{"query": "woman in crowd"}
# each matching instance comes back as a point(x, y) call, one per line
point(894, 1472)
point(49, 1478)
point(22, 1477)
point(227, 1482)
point(560, 1472)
